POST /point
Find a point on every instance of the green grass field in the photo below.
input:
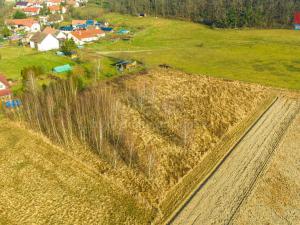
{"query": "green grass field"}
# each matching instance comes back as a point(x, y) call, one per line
point(14, 59)
point(269, 57)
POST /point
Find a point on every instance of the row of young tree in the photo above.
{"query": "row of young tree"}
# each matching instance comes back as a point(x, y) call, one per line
point(220, 13)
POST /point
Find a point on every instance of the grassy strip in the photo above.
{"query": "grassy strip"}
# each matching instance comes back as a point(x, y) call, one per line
point(189, 185)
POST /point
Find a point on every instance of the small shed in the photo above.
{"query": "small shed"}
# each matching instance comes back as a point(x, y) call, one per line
point(125, 64)
point(62, 69)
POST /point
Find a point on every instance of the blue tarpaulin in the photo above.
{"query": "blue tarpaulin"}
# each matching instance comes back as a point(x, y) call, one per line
point(89, 22)
point(108, 29)
point(13, 103)
point(66, 28)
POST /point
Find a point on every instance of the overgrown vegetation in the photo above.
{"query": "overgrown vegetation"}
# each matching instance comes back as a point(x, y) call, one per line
point(220, 13)
point(152, 129)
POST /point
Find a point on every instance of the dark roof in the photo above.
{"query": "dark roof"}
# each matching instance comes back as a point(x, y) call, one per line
point(297, 18)
point(22, 3)
point(38, 37)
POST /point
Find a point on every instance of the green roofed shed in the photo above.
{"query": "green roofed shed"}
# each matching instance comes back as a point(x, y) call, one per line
point(62, 69)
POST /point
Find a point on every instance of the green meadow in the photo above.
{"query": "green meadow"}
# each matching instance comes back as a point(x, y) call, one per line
point(14, 59)
point(269, 57)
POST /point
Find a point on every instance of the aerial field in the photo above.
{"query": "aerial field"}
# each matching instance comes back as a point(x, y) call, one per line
point(268, 57)
point(167, 124)
point(41, 184)
point(15, 58)
point(277, 191)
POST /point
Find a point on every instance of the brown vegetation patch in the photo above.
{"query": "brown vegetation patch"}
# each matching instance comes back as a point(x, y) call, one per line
point(149, 130)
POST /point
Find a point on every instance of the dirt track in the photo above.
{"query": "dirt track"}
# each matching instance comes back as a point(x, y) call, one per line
point(219, 199)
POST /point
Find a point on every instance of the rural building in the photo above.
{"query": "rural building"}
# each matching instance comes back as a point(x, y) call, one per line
point(5, 92)
point(35, 3)
point(44, 42)
point(79, 24)
point(54, 2)
point(124, 65)
point(297, 21)
point(72, 3)
point(21, 5)
point(81, 37)
point(31, 11)
point(56, 9)
point(29, 25)
point(56, 33)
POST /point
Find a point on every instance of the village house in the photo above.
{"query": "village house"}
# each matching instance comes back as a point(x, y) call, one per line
point(56, 33)
point(54, 2)
point(31, 11)
point(21, 5)
point(56, 9)
point(29, 24)
point(35, 3)
point(72, 3)
point(44, 42)
point(81, 37)
point(78, 24)
point(5, 92)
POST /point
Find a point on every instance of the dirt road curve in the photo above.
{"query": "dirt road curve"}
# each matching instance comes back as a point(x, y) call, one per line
point(219, 199)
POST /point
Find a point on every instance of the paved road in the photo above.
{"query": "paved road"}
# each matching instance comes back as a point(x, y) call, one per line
point(219, 199)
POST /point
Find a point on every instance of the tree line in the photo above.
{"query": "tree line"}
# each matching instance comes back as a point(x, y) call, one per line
point(219, 13)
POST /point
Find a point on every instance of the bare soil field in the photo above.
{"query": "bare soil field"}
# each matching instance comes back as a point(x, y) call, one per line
point(275, 199)
point(221, 196)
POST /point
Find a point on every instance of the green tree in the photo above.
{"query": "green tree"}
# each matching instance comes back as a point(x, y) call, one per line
point(5, 32)
point(19, 15)
point(45, 10)
point(68, 46)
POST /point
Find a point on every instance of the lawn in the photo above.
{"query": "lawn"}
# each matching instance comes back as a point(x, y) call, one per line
point(267, 57)
point(14, 59)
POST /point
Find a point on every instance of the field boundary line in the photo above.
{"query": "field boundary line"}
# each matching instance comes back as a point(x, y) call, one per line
point(179, 208)
point(264, 165)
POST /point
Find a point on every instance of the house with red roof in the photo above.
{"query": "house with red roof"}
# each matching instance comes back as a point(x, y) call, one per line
point(5, 92)
point(84, 36)
point(297, 20)
point(56, 33)
point(31, 11)
point(29, 24)
point(56, 9)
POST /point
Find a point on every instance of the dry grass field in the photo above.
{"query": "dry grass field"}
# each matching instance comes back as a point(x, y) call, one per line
point(170, 122)
point(41, 184)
